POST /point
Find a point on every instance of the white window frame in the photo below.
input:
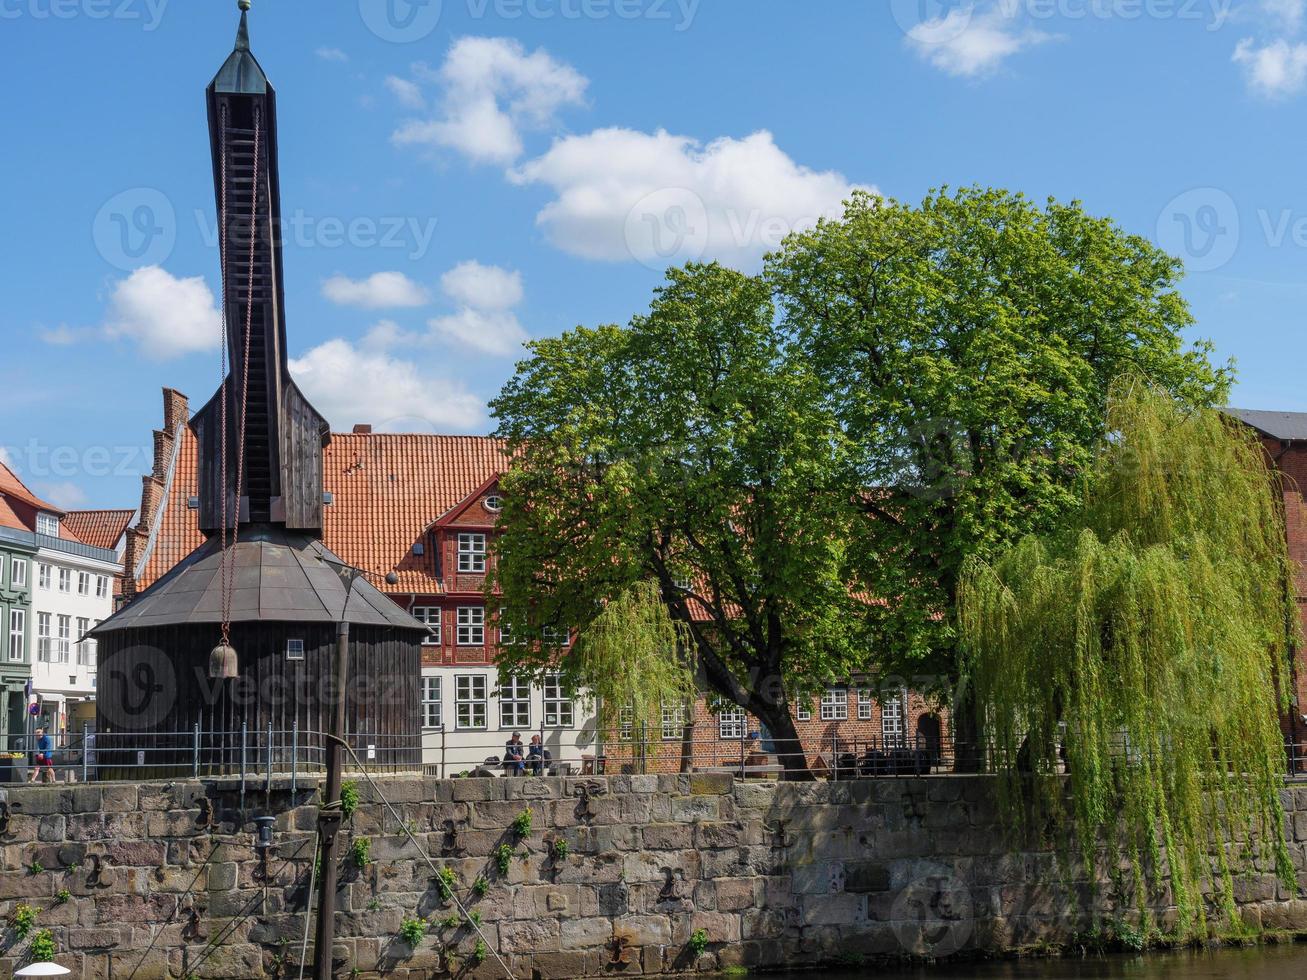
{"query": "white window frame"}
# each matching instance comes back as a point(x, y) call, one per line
point(43, 575)
point(626, 724)
point(731, 723)
point(65, 638)
point(557, 636)
point(471, 553)
point(83, 583)
point(471, 702)
point(44, 637)
point(295, 649)
point(673, 718)
point(835, 704)
point(560, 711)
point(18, 572)
point(102, 586)
point(803, 710)
point(514, 704)
point(429, 615)
point(65, 579)
point(496, 506)
point(48, 525)
point(893, 720)
point(432, 709)
point(85, 647)
point(471, 626)
point(17, 634)
point(864, 704)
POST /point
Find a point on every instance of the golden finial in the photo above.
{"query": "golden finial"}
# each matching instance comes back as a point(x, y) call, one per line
point(243, 4)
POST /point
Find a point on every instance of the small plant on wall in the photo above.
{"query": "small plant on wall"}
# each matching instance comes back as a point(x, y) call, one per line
point(24, 918)
point(349, 798)
point(43, 949)
point(360, 852)
point(522, 824)
point(698, 942)
point(446, 880)
point(504, 858)
point(412, 931)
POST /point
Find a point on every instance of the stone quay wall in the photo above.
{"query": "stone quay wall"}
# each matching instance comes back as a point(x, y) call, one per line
point(616, 876)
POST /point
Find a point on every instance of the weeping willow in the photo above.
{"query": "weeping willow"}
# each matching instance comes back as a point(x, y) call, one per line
point(1130, 670)
point(631, 659)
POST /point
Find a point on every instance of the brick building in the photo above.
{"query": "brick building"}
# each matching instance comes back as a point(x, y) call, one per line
point(417, 513)
point(1284, 436)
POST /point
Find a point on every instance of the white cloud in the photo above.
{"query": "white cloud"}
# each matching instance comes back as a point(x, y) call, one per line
point(1288, 14)
point(492, 91)
point(332, 54)
point(350, 385)
point(409, 93)
point(166, 316)
point(67, 495)
point(380, 291)
point(485, 287)
point(971, 43)
point(1275, 70)
point(496, 332)
point(663, 199)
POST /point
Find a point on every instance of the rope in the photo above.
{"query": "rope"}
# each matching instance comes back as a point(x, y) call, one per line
point(423, 851)
point(212, 851)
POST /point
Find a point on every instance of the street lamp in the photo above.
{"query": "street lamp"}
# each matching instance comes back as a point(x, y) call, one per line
point(43, 970)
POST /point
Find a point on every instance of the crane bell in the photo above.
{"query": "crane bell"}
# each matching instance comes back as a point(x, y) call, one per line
point(223, 664)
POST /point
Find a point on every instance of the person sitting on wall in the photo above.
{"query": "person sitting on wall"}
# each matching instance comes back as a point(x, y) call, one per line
point(537, 756)
point(513, 753)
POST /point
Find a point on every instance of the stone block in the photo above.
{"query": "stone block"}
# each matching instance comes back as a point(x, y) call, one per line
point(528, 936)
point(52, 828)
point(691, 809)
point(643, 930)
point(475, 790)
point(585, 933)
point(668, 837)
point(734, 894)
point(711, 783)
point(718, 835)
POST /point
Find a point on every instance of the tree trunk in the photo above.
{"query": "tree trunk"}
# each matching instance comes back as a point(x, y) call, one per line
point(968, 735)
point(789, 750)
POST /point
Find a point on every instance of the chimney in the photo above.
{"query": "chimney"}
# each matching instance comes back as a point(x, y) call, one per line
point(363, 429)
point(176, 410)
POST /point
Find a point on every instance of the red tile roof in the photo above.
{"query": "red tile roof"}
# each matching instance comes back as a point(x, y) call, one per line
point(99, 528)
point(11, 486)
point(387, 489)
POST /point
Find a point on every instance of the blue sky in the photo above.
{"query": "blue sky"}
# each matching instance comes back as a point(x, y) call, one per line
point(458, 176)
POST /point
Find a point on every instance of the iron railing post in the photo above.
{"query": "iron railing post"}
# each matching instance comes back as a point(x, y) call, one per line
point(294, 755)
point(267, 785)
point(443, 747)
point(195, 752)
point(244, 741)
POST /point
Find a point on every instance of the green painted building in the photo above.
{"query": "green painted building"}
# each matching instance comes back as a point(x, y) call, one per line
point(17, 567)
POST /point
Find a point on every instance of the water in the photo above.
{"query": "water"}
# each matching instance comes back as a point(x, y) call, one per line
point(1287, 962)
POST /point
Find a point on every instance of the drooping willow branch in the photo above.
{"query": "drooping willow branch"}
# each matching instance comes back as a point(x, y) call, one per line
point(1131, 669)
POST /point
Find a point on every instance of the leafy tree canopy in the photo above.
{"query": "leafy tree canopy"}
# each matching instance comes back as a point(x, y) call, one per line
point(1144, 643)
point(803, 460)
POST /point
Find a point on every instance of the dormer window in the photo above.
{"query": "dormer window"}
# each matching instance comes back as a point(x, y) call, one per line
point(472, 553)
point(48, 525)
point(494, 503)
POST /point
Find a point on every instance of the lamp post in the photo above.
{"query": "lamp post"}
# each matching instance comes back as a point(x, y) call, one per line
point(329, 814)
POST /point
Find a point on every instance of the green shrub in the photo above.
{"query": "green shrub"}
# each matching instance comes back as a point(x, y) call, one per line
point(698, 942)
point(481, 886)
point(560, 848)
point(43, 949)
point(359, 852)
point(452, 921)
point(503, 858)
point(412, 930)
point(349, 798)
point(445, 882)
point(24, 918)
point(35, 868)
point(522, 823)
point(63, 896)
point(474, 917)
point(479, 952)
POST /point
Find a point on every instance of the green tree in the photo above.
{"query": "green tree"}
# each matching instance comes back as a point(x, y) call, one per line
point(1144, 644)
point(966, 347)
point(690, 449)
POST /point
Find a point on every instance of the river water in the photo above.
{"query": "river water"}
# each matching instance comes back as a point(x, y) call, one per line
point(1285, 962)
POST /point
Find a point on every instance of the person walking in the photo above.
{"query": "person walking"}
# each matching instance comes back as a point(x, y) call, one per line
point(44, 758)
